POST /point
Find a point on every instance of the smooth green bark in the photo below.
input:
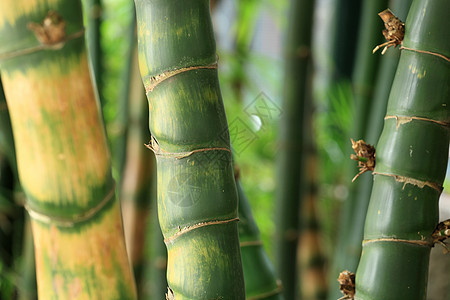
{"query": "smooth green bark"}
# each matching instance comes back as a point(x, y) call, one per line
point(290, 161)
point(411, 161)
point(197, 198)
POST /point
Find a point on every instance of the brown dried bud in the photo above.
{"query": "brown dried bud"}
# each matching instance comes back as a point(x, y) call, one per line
point(52, 30)
point(394, 32)
point(365, 156)
point(347, 284)
point(441, 233)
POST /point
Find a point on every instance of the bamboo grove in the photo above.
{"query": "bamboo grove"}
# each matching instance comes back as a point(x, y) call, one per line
point(197, 149)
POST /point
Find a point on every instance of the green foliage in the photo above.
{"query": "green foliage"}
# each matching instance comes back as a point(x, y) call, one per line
point(332, 126)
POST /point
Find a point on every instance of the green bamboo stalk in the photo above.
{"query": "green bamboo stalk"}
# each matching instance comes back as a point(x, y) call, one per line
point(93, 10)
point(6, 138)
point(385, 77)
point(121, 121)
point(366, 63)
point(138, 192)
point(345, 32)
point(259, 274)
point(197, 200)
point(290, 162)
point(311, 259)
point(411, 161)
point(312, 278)
point(347, 253)
point(154, 282)
point(137, 189)
point(63, 160)
point(27, 288)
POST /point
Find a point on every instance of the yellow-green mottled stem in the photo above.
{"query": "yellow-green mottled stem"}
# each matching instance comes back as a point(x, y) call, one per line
point(63, 160)
point(197, 199)
point(412, 156)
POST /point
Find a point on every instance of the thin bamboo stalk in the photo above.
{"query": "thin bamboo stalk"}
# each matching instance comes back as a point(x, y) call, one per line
point(93, 10)
point(197, 199)
point(411, 161)
point(374, 108)
point(290, 162)
point(259, 274)
point(154, 282)
point(139, 172)
point(63, 160)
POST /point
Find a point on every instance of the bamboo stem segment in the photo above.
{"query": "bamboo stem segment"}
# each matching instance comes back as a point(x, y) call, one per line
point(197, 199)
point(62, 154)
point(411, 163)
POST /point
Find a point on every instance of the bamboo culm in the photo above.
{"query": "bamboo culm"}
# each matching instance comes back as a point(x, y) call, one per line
point(63, 159)
point(197, 198)
point(411, 162)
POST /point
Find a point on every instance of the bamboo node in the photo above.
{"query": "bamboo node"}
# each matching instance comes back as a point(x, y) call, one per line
point(426, 52)
point(52, 30)
point(154, 146)
point(401, 120)
point(346, 281)
point(365, 156)
point(408, 180)
point(187, 229)
point(423, 242)
point(75, 219)
point(394, 32)
point(151, 83)
point(51, 35)
point(441, 233)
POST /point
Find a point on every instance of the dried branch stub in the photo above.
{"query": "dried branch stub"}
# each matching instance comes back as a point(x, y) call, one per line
point(365, 156)
point(394, 32)
point(441, 233)
point(52, 30)
point(347, 285)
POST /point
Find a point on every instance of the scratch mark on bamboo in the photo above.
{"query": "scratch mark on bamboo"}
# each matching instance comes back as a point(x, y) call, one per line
point(196, 226)
point(152, 82)
point(423, 243)
point(154, 146)
point(408, 180)
point(426, 52)
point(403, 120)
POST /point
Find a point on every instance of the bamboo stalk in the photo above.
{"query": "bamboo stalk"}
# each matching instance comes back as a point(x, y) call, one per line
point(62, 154)
point(290, 162)
point(348, 248)
point(27, 289)
point(93, 10)
point(197, 200)
point(411, 160)
point(137, 180)
point(311, 259)
point(154, 282)
point(259, 274)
